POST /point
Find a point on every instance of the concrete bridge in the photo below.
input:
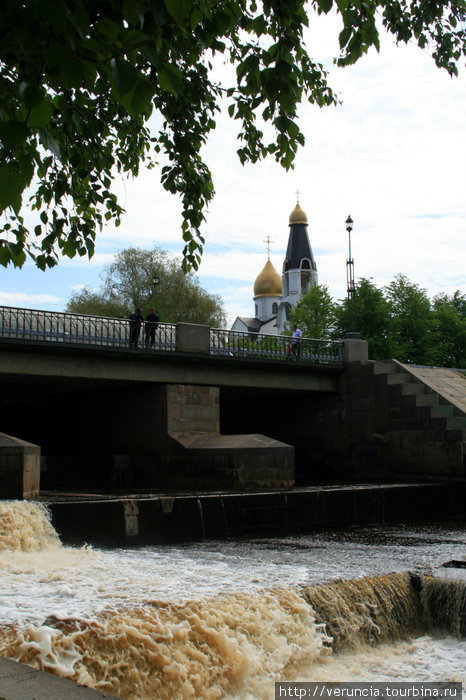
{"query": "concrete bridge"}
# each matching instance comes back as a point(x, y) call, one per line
point(207, 409)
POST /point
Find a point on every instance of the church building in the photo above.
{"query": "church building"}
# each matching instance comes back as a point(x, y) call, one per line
point(274, 297)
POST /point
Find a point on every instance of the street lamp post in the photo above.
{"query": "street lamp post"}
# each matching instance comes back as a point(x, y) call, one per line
point(155, 282)
point(351, 287)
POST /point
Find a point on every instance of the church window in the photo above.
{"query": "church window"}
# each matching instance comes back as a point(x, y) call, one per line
point(285, 285)
point(305, 276)
point(257, 310)
point(274, 307)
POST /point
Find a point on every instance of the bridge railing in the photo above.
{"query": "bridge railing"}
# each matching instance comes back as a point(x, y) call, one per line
point(272, 347)
point(59, 327)
point(81, 329)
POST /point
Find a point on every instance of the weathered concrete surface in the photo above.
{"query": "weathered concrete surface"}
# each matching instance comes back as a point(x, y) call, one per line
point(384, 424)
point(196, 516)
point(448, 383)
point(21, 682)
point(192, 337)
point(192, 408)
point(56, 363)
point(19, 468)
point(245, 462)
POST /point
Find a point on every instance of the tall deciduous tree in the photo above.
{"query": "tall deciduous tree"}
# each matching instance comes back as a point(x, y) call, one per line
point(411, 321)
point(127, 283)
point(450, 329)
point(79, 80)
point(315, 313)
point(372, 318)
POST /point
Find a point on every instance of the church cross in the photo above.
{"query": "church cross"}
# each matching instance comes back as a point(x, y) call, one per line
point(268, 242)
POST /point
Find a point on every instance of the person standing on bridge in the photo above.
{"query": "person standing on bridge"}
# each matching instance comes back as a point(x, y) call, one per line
point(296, 338)
point(135, 322)
point(151, 325)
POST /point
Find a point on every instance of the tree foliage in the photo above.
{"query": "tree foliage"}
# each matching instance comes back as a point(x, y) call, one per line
point(127, 283)
point(79, 80)
point(315, 313)
point(398, 321)
point(373, 317)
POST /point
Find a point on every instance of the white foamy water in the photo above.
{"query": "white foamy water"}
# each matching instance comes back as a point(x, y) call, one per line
point(214, 619)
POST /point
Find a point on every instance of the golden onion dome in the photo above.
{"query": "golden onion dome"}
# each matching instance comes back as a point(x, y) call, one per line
point(268, 282)
point(298, 216)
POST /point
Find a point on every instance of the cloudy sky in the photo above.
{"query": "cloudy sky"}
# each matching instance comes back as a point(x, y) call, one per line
point(393, 156)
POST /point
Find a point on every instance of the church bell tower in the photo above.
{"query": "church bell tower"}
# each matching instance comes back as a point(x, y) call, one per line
point(299, 267)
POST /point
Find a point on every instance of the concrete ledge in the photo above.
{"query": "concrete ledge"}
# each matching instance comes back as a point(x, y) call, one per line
point(171, 518)
point(243, 462)
point(21, 682)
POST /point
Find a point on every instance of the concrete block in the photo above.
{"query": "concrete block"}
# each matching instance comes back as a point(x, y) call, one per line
point(355, 350)
point(191, 337)
point(19, 468)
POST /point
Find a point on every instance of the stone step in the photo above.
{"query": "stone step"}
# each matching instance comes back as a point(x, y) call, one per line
point(421, 400)
point(412, 388)
point(398, 378)
point(421, 418)
point(455, 422)
point(443, 411)
point(384, 367)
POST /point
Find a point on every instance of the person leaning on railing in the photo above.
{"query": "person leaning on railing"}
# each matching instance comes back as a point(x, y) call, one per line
point(151, 325)
point(135, 322)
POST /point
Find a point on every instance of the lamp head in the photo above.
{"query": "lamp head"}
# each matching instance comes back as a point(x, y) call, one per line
point(349, 223)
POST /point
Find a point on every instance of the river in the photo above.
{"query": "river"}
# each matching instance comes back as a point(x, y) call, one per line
point(225, 619)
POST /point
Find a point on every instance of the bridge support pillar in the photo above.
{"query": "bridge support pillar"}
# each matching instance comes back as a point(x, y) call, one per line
point(201, 457)
point(355, 350)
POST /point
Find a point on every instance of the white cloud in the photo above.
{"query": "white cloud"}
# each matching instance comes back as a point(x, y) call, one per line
point(26, 300)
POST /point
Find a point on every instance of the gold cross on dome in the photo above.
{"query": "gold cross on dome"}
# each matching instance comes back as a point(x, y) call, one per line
point(297, 196)
point(268, 242)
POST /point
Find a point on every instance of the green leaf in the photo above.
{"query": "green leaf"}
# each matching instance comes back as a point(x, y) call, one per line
point(169, 78)
point(141, 100)
point(178, 9)
point(281, 123)
point(49, 142)
point(39, 116)
point(345, 36)
point(124, 76)
point(131, 12)
point(12, 133)
point(325, 5)
point(5, 258)
point(30, 95)
point(11, 188)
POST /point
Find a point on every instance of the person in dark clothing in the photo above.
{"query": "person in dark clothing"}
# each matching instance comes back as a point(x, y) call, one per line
point(151, 325)
point(135, 322)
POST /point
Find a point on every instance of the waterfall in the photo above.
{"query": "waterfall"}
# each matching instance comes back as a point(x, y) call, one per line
point(368, 610)
point(26, 527)
point(444, 604)
point(131, 638)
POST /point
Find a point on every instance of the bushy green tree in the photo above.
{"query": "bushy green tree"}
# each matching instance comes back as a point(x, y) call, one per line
point(372, 318)
point(411, 324)
point(127, 283)
point(449, 330)
point(398, 321)
point(315, 313)
point(80, 79)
